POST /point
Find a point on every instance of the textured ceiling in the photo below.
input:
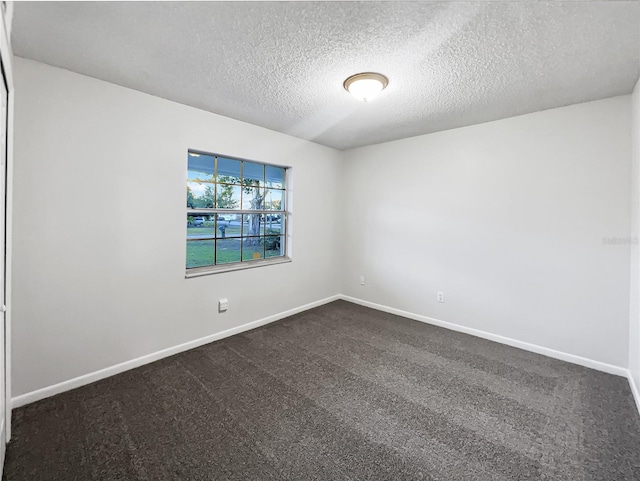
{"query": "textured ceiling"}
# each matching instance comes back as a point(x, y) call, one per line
point(281, 64)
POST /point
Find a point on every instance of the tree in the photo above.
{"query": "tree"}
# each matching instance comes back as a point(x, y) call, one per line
point(207, 196)
point(256, 204)
point(225, 199)
point(190, 200)
point(204, 201)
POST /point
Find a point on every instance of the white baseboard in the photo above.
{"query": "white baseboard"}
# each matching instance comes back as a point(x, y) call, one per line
point(85, 379)
point(634, 390)
point(545, 351)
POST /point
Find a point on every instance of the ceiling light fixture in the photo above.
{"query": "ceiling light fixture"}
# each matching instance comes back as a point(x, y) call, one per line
point(366, 86)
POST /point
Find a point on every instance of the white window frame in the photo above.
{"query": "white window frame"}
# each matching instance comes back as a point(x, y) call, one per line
point(249, 263)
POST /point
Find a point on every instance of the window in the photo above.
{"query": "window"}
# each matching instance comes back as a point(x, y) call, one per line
point(236, 213)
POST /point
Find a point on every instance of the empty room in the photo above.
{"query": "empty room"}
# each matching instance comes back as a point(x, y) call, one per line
point(320, 241)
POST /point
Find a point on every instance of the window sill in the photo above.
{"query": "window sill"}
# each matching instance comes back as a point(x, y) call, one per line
point(206, 271)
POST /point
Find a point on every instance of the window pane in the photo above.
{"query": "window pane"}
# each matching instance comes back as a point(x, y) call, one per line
point(275, 177)
point(274, 200)
point(228, 196)
point(199, 180)
point(200, 195)
point(253, 224)
point(228, 170)
point(253, 248)
point(252, 198)
point(253, 174)
point(274, 245)
point(274, 224)
point(229, 226)
point(228, 236)
point(227, 250)
point(200, 253)
point(200, 167)
point(200, 226)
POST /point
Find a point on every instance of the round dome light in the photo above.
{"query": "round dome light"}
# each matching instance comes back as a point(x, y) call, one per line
point(366, 86)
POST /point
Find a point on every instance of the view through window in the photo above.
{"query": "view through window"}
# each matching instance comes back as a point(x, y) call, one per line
point(235, 211)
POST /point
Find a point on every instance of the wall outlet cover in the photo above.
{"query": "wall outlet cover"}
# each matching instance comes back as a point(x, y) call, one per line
point(223, 305)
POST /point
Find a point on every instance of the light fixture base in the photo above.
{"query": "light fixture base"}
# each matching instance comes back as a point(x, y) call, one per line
point(366, 85)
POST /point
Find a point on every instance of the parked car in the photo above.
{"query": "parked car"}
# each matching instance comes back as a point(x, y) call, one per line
point(195, 221)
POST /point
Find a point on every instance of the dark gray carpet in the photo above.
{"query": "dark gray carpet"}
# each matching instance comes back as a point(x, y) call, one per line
point(340, 392)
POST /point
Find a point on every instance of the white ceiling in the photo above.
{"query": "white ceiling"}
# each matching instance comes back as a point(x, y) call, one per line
point(281, 64)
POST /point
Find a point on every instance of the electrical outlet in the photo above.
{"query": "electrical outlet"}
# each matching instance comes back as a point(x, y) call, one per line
point(362, 280)
point(440, 296)
point(223, 305)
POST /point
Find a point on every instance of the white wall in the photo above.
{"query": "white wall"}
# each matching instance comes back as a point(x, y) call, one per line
point(8, 18)
point(7, 61)
point(634, 304)
point(507, 219)
point(100, 225)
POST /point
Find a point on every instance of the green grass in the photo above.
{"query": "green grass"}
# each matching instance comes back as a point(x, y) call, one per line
point(250, 252)
point(228, 250)
point(201, 252)
point(209, 231)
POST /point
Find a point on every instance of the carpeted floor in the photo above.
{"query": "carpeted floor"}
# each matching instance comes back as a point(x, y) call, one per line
point(340, 392)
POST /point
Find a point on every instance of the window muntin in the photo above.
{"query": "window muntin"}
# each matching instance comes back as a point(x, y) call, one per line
point(236, 212)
